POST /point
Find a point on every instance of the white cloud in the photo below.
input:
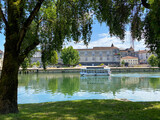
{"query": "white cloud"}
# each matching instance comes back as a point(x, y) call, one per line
point(105, 40)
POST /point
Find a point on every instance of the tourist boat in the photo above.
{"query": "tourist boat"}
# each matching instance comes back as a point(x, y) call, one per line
point(95, 71)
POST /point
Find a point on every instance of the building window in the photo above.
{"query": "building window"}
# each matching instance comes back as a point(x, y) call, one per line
point(93, 58)
point(107, 57)
point(93, 54)
point(100, 53)
point(108, 52)
point(86, 54)
point(86, 59)
point(101, 58)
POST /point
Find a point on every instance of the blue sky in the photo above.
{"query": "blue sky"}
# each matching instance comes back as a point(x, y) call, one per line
point(100, 38)
point(2, 40)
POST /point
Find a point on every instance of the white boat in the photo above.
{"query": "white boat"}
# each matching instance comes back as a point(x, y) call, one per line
point(95, 71)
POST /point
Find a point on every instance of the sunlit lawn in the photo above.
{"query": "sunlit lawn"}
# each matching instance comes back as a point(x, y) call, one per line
point(87, 110)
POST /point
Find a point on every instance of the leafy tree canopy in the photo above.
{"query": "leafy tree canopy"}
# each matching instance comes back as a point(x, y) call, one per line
point(55, 21)
point(54, 58)
point(37, 63)
point(25, 64)
point(152, 60)
point(70, 56)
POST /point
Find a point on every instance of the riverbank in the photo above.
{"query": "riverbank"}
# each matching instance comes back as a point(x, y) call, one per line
point(78, 69)
point(87, 110)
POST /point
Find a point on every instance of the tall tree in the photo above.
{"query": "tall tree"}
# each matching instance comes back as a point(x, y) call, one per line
point(152, 60)
point(54, 58)
point(50, 23)
point(70, 56)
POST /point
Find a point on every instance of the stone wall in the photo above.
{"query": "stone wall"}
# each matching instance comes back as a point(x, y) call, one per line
point(77, 70)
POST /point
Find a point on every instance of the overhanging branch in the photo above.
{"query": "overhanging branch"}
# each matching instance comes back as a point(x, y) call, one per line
point(3, 17)
point(27, 50)
point(28, 22)
point(145, 4)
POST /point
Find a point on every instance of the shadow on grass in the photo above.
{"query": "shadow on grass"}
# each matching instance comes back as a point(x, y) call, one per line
point(87, 110)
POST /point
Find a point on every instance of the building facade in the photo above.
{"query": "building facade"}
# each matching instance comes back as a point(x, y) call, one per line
point(127, 52)
point(36, 57)
point(111, 56)
point(98, 55)
point(143, 56)
point(131, 61)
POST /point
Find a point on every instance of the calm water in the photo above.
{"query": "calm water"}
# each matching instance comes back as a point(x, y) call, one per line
point(36, 88)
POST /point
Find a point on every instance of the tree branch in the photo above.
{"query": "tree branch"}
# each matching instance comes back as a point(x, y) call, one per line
point(145, 4)
point(27, 50)
point(27, 23)
point(22, 4)
point(3, 17)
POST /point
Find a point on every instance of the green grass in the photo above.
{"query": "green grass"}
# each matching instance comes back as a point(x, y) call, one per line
point(87, 110)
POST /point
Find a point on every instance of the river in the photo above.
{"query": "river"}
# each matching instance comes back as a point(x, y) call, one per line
point(49, 87)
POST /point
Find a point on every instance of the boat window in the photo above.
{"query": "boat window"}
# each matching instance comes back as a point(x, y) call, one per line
point(97, 71)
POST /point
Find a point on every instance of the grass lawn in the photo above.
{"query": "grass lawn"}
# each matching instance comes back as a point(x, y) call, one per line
point(87, 110)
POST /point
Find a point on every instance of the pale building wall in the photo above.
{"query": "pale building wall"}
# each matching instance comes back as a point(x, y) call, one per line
point(130, 61)
point(143, 56)
point(36, 57)
point(1, 63)
point(99, 56)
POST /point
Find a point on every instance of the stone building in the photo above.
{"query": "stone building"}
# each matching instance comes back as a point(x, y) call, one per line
point(98, 55)
point(131, 61)
point(143, 56)
point(36, 57)
point(127, 52)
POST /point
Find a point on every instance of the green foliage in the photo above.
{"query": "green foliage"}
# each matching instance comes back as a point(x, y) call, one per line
point(64, 21)
point(152, 60)
point(101, 64)
point(79, 64)
point(25, 64)
point(152, 30)
point(49, 57)
point(37, 63)
point(70, 56)
point(54, 58)
point(60, 21)
point(122, 62)
point(33, 64)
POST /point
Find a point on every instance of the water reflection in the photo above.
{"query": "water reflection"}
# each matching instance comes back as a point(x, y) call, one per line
point(57, 87)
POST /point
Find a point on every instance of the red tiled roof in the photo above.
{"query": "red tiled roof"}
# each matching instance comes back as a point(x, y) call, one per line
point(129, 57)
point(123, 51)
point(143, 51)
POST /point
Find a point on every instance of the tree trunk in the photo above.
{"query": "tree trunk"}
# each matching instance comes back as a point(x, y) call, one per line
point(9, 84)
point(9, 76)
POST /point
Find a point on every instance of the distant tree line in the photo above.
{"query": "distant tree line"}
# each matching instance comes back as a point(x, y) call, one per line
point(69, 56)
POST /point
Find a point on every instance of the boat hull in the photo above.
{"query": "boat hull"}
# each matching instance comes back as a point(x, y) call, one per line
point(95, 74)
